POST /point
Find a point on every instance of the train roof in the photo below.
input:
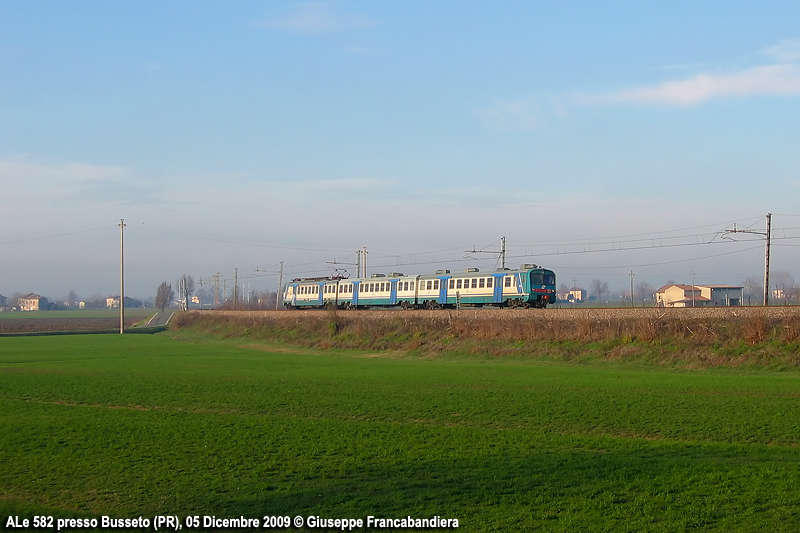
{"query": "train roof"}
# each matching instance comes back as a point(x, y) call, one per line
point(466, 273)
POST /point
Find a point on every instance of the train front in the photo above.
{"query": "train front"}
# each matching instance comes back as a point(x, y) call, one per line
point(543, 287)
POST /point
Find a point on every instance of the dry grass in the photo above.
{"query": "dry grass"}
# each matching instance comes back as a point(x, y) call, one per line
point(740, 337)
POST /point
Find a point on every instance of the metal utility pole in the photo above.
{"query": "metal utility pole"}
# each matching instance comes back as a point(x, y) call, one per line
point(574, 291)
point(121, 276)
point(235, 285)
point(766, 259)
point(278, 294)
point(502, 252)
point(632, 297)
point(768, 235)
point(364, 261)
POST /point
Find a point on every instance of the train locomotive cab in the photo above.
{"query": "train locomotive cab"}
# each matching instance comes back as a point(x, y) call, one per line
point(542, 285)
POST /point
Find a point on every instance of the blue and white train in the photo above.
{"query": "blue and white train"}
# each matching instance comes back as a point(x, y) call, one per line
point(528, 286)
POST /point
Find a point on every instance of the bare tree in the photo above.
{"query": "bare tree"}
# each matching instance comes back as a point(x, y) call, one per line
point(72, 299)
point(644, 291)
point(164, 295)
point(753, 288)
point(185, 290)
point(783, 285)
point(599, 288)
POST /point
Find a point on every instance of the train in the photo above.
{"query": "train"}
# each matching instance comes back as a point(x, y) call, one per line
point(528, 286)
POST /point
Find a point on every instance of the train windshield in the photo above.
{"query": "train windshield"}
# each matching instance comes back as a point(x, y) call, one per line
point(543, 278)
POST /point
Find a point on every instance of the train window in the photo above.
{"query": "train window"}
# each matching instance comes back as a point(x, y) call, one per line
point(436, 284)
point(405, 285)
point(383, 287)
point(452, 283)
point(458, 284)
point(508, 281)
point(481, 283)
point(489, 282)
point(549, 279)
point(429, 285)
point(474, 283)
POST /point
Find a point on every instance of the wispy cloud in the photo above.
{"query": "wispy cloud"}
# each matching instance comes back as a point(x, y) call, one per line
point(780, 77)
point(512, 115)
point(345, 185)
point(317, 18)
point(756, 81)
point(786, 51)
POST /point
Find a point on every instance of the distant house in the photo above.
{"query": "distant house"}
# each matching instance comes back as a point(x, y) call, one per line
point(113, 301)
point(574, 295)
point(699, 296)
point(3, 302)
point(32, 302)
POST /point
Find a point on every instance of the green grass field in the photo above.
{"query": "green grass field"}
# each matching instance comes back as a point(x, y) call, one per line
point(79, 313)
point(140, 425)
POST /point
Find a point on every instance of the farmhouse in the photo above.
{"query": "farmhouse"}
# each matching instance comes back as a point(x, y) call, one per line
point(113, 302)
point(32, 302)
point(574, 295)
point(699, 296)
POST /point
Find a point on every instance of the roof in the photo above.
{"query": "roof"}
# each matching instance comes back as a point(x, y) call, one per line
point(680, 286)
point(30, 296)
point(698, 287)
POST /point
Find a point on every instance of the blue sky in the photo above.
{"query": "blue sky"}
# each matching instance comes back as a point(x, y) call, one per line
point(239, 135)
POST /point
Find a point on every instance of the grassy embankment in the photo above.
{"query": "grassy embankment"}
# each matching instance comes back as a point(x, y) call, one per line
point(755, 340)
point(131, 426)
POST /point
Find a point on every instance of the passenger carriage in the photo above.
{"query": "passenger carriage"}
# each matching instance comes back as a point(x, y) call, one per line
point(528, 286)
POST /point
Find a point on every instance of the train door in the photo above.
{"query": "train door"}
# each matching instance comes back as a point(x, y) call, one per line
point(443, 290)
point(393, 292)
point(321, 289)
point(354, 298)
point(498, 288)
